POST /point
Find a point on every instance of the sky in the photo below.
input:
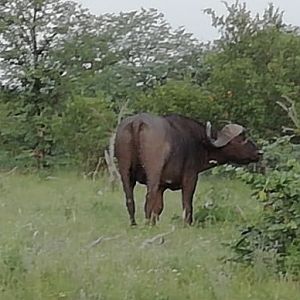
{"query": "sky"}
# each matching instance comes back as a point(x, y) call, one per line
point(189, 13)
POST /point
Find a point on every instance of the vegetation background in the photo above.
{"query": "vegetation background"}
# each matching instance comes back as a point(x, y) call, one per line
point(67, 76)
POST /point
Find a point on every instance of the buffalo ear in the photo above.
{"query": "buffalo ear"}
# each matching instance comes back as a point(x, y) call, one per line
point(226, 134)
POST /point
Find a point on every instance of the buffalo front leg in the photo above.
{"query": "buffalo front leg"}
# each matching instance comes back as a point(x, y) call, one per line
point(188, 190)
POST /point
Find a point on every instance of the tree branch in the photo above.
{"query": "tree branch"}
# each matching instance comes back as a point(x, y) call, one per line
point(101, 239)
point(159, 238)
point(109, 154)
point(34, 37)
point(46, 44)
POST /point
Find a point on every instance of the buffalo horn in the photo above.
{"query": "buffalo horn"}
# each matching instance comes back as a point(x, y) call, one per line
point(227, 133)
point(208, 129)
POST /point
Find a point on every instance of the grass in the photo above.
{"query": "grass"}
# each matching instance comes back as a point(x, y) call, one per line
point(48, 226)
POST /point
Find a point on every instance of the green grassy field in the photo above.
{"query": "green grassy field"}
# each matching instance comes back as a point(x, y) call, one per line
point(49, 250)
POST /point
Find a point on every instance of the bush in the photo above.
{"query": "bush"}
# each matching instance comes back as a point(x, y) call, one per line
point(215, 209)
point(278, 189)
point(182, 97)
point(83, 131)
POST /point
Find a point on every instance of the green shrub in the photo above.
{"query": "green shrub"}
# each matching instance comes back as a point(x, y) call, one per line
point(215, 209)
point(278, 189)
point(182, 97)
point(83, 131)
point(205, 215)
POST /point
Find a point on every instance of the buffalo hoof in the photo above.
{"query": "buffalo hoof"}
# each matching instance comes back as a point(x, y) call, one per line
point(154, 219)
point(187, 223)
point(133, 223)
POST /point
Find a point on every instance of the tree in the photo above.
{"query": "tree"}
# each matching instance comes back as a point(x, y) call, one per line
point(182, 97)
point(253, 64)
point(144, 51)
point(55, 54)
point(32, 33)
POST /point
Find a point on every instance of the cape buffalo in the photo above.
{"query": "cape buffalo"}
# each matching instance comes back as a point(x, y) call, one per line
point(168, 152)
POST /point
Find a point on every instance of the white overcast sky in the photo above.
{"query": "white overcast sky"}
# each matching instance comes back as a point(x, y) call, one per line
point(189, 13)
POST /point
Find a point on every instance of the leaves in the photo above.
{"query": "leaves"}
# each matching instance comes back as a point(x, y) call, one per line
point(255, 61)
point(279, 191)
point(86, 123)
point(179, 97)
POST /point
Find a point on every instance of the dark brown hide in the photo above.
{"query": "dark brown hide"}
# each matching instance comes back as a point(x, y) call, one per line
point(168, 153)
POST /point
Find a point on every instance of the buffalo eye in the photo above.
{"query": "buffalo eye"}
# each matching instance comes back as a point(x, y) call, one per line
point(244, 141)
point(241, 139)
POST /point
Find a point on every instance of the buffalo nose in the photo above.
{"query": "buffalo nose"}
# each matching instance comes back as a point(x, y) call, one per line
point(259, 154)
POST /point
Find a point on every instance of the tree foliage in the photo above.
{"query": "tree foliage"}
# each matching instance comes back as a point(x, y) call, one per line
point(253, 64)
point(276, 234)
point(183, 97)
point(82, 133)
point(275, 237)
point(55, 52)
point(37, 86)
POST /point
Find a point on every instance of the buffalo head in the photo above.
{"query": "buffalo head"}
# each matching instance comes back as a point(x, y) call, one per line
point(233, 145)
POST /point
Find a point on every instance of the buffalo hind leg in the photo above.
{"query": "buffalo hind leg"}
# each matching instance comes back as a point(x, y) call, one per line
point(151, 190)
point(188, 190)
point(128, 186)
point(158, 206)
point(154, 204)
